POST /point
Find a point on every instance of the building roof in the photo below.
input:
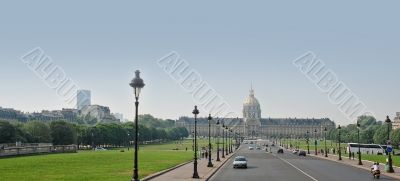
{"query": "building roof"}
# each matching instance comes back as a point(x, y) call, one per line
point(264, 121)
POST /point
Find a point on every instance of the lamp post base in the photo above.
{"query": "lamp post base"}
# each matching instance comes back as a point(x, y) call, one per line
point(196, 175)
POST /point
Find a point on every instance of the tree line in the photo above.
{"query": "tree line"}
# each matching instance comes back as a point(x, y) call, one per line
point(112, 134)
point(371, 132)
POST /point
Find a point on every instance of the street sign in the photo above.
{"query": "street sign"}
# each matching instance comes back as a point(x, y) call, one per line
point(389, 149)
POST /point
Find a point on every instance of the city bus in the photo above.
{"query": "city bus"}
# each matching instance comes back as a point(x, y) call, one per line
point(373, 149)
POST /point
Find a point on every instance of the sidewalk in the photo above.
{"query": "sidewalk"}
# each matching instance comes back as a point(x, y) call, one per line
point(185, 172)
point(366, 164)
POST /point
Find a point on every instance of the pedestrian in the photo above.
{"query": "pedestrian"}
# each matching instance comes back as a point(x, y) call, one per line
point(186, 148)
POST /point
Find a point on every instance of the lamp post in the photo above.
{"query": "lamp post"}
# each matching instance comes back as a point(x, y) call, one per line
point(326, 149)
point(315, 142)
point(339, 150)
point(209, 141)
point(195, 173)
point(390, 162)
point(226, 141)
point(93, 147)
point(232, 140)
point(223, 140)
point(129, 142)
point(218, 130)
point(308, 142)
point(137, 84)
point(359, 144)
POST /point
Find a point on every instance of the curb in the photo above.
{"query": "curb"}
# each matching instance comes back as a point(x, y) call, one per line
point(219, 168)
point(165, 171)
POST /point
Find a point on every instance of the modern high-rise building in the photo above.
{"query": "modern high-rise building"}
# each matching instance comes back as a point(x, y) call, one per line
point(83, 98)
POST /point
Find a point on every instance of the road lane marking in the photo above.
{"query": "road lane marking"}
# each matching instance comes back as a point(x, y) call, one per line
point(312, 178)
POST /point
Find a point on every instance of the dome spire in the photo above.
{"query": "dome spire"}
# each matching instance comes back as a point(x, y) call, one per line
point(251, 89)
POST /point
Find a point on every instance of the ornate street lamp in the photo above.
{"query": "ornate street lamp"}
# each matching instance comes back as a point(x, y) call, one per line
point(340, 149)
point(390, 162)
point(231, 137)
point(223, 140)
point(195, 173)
point(209, 141)
point(308, 142)
point(226, 140)
point(315, 142)
point(326, 149)
point(218, 130)
point(137, 84)
point(359, 144)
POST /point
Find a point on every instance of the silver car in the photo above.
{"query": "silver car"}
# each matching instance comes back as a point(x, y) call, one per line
point(240, 162)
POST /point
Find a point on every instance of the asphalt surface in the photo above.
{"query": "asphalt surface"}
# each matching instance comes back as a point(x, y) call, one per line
point(287, 167)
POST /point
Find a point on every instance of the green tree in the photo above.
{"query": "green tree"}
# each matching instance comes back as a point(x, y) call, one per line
point(39, 132)
point(396, 138)
point(7, 132)
point(380, 136)
point(63, 133)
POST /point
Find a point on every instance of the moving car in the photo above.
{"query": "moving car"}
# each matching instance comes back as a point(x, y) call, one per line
point(302, 153)
point(280, 151)
point(240, 162)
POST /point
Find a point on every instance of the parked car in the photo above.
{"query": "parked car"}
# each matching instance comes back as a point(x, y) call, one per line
point(258, 148)
point(251, 148)
point(240, 162)
point(295, 151)
point(280, 151)
point(302, 153)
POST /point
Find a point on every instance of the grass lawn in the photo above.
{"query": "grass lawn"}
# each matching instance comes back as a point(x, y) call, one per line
point(90, 165)
point(381, 159)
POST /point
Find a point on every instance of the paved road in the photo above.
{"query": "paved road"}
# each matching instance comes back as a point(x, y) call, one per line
point(287, 167)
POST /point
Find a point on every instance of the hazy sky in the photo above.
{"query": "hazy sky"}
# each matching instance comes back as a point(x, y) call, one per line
point(231, 44)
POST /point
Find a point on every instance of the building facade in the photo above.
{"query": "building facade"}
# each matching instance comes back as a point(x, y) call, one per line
point(83, 99)
point(253, 126)
point(396, 121)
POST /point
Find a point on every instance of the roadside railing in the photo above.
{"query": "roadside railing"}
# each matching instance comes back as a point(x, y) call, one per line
point(29, 150)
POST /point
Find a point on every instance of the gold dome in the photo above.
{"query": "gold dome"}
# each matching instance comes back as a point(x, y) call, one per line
point(251, 100)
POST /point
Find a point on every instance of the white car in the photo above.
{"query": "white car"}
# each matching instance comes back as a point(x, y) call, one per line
point(100, 149)
point(240, 162)
point(251, 148)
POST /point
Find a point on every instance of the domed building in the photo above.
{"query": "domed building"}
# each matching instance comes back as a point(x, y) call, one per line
point(252, 125)
point(252, 115)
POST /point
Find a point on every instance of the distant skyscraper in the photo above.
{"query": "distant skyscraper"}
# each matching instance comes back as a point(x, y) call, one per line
point(83, 98)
